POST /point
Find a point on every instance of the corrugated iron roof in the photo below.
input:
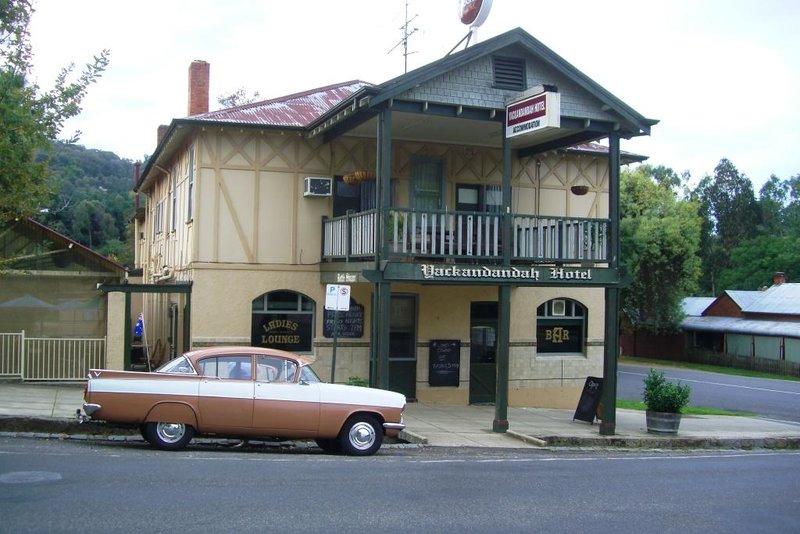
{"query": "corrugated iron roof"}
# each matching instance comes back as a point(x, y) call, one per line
point(742, 298)
point(779, 299)
point(695, 306)
point(592, 148)
point(298, 110)
point(736, 325)
point(45, 232)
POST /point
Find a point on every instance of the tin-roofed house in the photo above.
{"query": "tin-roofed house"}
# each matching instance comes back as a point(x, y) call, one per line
point(750, 329)
point(463, 205)
point(52, 317)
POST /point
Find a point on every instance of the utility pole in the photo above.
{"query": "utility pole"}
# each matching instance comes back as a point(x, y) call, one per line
point(407, 32)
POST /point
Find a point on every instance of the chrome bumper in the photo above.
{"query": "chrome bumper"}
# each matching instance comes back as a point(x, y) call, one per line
point(88, 410)
point(394, 426)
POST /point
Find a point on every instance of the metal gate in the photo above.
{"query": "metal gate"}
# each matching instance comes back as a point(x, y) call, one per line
point(50, 359)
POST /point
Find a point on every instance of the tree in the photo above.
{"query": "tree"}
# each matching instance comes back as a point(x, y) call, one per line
point(779, 201)
point(755, 261)
point(30, 118)
point(668, 178)
point(772, 200)
point(730, 216)
point(659, 240)
point(238, 98)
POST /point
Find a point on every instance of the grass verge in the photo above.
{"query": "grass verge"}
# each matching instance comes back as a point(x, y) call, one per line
point(689, 410)
point(634, 360)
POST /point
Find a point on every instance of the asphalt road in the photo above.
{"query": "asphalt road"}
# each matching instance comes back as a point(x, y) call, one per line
point(768, 398)
point(53, 486)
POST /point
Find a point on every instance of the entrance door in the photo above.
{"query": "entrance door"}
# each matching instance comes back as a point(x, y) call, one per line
point(402, 345)
point(482, 352)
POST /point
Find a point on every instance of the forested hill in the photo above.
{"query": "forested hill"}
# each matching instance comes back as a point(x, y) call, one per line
point(92, 200)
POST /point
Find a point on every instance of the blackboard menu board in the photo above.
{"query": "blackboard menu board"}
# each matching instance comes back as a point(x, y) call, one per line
point(351, 323)
point(590, 399)
point(444, 362)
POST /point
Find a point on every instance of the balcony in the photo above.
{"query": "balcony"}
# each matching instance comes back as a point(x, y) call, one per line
point(467, 237)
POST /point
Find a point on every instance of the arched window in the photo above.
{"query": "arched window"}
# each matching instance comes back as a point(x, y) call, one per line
point(283, 320)
point(561, 327)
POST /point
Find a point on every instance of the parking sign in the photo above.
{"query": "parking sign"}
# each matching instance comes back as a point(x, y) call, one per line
point(337, 297)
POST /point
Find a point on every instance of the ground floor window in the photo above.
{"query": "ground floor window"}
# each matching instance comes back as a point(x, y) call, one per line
point(561, 327)
point(283, 320)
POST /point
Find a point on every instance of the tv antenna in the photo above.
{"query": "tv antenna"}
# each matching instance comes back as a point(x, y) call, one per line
point(407, 32)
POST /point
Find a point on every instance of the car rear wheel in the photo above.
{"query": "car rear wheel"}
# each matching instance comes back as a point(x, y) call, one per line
point(361, 435)
point(169, 436)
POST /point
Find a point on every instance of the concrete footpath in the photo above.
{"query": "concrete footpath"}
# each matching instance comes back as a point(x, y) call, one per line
point(48, 410)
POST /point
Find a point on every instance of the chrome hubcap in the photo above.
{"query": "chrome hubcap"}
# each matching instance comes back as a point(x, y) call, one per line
point(362, 436)
point(170, 432)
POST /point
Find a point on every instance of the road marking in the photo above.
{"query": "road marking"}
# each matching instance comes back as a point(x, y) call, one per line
point(607, 458)
point(719, 384)
point(28, 477)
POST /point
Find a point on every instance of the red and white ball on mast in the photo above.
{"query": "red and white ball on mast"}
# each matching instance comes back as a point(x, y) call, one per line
point(473, 13)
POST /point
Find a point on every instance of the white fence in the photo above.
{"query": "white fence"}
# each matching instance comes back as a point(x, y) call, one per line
point(56, 359)
point(467, 236)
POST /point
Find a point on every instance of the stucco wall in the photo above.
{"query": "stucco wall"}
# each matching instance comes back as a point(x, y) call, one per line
point(253, 232)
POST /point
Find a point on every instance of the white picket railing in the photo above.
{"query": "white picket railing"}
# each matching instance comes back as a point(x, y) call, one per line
point(467, 235)
point(53, 359)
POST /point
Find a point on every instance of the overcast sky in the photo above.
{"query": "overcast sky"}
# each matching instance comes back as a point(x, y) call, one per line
point(721, 76)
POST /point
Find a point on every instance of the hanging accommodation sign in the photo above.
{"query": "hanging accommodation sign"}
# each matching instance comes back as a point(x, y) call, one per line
point(532, 114)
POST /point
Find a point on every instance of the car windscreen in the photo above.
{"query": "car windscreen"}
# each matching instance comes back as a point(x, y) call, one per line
point(178, 365)
point(308, 375)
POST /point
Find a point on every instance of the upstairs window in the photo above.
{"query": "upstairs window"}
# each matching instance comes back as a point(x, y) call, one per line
point(479, 198)
point(158, 223)
point(190, 185)
point(509, 73)
point(174, 210)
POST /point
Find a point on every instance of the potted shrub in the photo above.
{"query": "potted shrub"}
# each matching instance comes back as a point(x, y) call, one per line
point(664, 401)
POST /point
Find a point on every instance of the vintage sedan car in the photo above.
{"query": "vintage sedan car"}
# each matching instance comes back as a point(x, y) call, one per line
point(243, 392)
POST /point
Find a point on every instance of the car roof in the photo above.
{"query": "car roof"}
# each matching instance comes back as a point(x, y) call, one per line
point(258, 351)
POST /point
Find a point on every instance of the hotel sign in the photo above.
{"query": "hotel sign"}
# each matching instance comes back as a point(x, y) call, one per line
point(533, 114)
point(504, 274)
point(429, 273)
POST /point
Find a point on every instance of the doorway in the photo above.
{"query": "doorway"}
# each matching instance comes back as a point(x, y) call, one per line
point(427, 182)
point(403, 345)
point(482, 352)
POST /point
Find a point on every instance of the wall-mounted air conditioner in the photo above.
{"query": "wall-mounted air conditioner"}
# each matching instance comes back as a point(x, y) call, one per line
point(317, 186)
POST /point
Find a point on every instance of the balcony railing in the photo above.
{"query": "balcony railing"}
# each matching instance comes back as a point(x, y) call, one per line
point(465, 236)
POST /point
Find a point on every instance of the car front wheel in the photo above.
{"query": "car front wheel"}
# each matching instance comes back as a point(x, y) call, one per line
point(361, 435)
point(329, 445)
point(168, 436)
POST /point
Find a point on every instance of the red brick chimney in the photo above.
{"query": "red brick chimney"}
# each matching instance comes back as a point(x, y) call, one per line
point(160, 133)
point(198, 87)
point(778, 279)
